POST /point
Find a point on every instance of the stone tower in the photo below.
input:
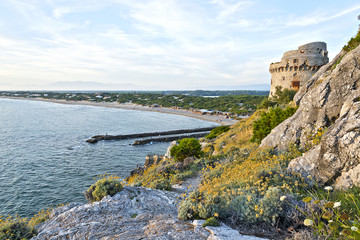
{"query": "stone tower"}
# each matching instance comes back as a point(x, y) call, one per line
point(297, 66)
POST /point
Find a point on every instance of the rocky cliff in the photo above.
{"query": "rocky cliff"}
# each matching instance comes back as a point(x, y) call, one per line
point(330, 101)
point(133, 213)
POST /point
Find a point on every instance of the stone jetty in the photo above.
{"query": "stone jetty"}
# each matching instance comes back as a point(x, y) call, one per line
point(97, 138)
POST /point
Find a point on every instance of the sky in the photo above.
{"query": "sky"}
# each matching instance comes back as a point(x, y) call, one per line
point(161, 44)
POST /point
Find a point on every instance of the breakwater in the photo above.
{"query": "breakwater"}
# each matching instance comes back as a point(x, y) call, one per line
point(97, 138)
point(169, 138)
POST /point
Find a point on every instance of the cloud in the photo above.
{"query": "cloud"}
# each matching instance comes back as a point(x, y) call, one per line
point(228, 9)
point(318, 17)
point(89, 85)
point(154, 43)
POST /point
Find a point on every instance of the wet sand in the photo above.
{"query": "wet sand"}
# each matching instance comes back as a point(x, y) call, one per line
point(211, 118)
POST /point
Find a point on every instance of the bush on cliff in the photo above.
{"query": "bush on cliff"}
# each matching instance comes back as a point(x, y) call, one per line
point(188, 147)
point(106, 186)
point(161, 184)
point(353, 43)
point(217, 131)
point(15, 229)
point(280, 97)
point(283, 96)
point(268, 121)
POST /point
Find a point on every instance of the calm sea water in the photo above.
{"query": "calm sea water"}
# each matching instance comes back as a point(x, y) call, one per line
point(44, 159)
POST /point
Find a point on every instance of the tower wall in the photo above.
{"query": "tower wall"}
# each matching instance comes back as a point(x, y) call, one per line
point(297, 66)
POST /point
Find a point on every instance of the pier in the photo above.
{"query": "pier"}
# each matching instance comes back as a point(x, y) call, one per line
point(169, 138)
point(97, 138)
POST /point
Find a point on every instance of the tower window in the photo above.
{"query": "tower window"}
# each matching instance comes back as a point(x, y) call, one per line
point(295, 60)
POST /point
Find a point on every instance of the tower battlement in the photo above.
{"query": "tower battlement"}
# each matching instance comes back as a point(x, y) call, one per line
point(297, 66)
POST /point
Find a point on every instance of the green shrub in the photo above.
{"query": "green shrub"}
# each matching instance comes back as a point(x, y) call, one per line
point(187, 147)
point(217, 131)
point(177, 178)
point(250, 207)
point(15, 229)
point(271, 206)
point(280, 97)
point(198, 205)
point(186, 210)
point(353, 43)
point(103, 187)
point(212, 222)
point(161, 184)
point(268, 121)
point(41, 216)
point(266, 103)
point(283, 96)
point(337, 62)
point(332, 214)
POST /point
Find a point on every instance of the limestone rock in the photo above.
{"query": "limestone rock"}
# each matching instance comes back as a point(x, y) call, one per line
point(133, 213)
point(167, 154)
point(331, 100)
point(223, 232)
point(152, 160)
point(137, 171)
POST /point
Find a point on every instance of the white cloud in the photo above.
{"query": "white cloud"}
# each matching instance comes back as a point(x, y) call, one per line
point(155, 42)
point(318, 17)
point(228, 9)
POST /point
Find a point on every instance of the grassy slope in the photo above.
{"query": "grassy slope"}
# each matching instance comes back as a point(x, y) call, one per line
point(238, 136)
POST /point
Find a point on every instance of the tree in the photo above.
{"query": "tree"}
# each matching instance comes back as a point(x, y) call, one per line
point(217, 131)
point(187, 147)
point(268, 121)
point(283, 96)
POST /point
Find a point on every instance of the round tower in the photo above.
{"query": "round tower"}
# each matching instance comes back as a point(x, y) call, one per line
point(297, 66)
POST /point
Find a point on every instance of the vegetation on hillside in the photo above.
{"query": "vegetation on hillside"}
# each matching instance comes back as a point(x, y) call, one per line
point(353, 43)
point(17, 228)
point(187, 147)
point(234, 104)
point(217, 131)
point(281, 97)
point(106, 185)
point(250, 188)
point(269, 120)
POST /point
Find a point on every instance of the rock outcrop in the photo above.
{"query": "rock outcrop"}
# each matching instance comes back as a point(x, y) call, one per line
point(133, 213)
point(329, 101)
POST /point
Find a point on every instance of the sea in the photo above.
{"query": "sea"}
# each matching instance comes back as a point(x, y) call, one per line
point(45, 161)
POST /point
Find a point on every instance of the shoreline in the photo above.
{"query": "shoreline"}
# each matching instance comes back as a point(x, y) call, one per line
point(134, 107)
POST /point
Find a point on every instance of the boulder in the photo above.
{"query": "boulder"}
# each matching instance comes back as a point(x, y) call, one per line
point(152, 160)
point(164, 169)
point(133, 213)
point(330, 101)
point(167, 154)
point(139, 170)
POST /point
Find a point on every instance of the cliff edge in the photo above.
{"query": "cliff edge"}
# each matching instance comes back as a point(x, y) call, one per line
point(329, 105)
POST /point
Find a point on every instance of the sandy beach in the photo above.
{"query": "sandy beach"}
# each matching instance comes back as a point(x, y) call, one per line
point(127, 106)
